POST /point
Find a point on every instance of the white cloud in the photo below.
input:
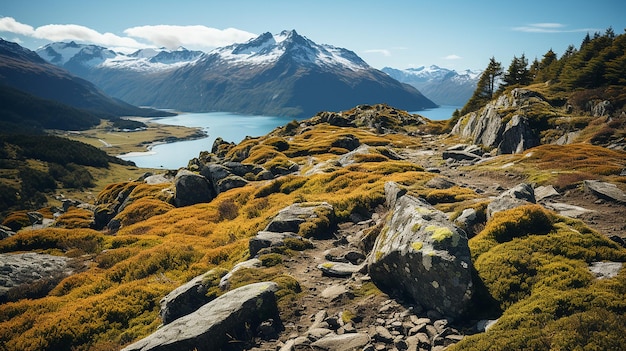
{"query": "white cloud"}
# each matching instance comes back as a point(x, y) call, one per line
point(134, 38)
point(549, 27)
point(9, 24)
point(383, 52)
point(452, 57)
point(174, 36)
point(60, 32)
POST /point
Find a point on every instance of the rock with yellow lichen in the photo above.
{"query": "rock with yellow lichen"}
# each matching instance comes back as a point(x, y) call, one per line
point(424, 255)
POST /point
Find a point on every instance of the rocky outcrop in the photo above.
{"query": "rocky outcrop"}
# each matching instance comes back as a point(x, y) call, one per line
point(265, 239)
point(422, 254)
point(26, 268)
point(234, 315)
point(521, 194)
point(492, 128)
point(606, 191)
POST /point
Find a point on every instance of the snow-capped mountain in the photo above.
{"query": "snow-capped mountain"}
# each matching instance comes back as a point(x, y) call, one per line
point(268, 48)
point(282, 74)
point(441, 85)
point(77, 57)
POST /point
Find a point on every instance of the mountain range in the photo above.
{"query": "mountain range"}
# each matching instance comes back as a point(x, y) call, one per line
point(23, 70)
point(443, 86)
point(283, 74)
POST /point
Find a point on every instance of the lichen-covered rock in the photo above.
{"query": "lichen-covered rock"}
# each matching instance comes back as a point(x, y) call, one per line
point(422, 254)
point(231, 315)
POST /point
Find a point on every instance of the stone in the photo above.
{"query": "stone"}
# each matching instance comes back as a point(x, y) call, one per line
point(291, 217)
point(339, 269)
point(348, 142)
point(567, 210)
point(517, 136)
point(265, 239)
point(383, 335)
point(544, 192)
point(392, 193)
point(34, 217)
point(251, 263)
point(336, 292)
point(26, 268)
point(422, 255)
point(417, 342)
point(157, 179)
point(467, 219)
point(230, 182)
point(185, 299)
point(5, 232)
point(460, 155)
point(440, 183)
point(605, 191)
point(605, 269)
point(484, 324)
point(519, 195)
point(191, 189)
point(344, 342)
point(206, 329)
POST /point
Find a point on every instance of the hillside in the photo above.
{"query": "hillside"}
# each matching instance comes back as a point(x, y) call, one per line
point(24, 70)
point(369, 228)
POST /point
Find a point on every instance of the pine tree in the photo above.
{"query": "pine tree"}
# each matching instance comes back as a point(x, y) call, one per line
point(485, 88)
point(548, 67)
point(517, 74)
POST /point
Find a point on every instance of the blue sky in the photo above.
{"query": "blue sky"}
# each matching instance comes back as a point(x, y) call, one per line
point(456, 34)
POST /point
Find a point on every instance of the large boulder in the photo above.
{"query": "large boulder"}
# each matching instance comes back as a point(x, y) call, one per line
point(318, 215)
point(185, 299)
point(422, 255)
point(191, 189)
point(231, 316)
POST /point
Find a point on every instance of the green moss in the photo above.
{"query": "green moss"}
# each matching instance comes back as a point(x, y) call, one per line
point(271, 259)
point(534, 266)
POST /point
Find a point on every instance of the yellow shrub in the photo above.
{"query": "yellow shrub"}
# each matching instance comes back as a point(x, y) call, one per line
point(75, 218)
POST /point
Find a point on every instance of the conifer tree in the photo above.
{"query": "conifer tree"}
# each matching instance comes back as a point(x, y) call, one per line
point(485, 88)
point(517, 73)
point(548, 67)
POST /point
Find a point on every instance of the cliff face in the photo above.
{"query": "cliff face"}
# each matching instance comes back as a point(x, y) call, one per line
point(502, 124)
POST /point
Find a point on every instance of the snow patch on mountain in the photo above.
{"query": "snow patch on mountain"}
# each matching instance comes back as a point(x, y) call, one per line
point(93, 56)
point(269, 48)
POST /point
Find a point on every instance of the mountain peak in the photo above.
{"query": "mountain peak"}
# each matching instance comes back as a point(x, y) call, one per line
point(268, 48)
